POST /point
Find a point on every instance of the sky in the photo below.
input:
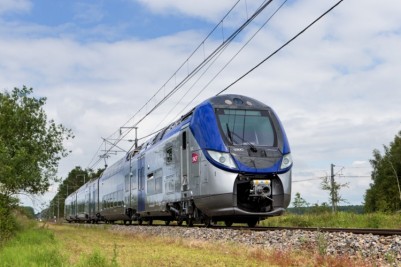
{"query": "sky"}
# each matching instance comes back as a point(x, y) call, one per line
point(336, 88)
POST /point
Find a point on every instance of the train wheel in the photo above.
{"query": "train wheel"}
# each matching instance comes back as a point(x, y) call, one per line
point(167, 223)
point(228, 223)
point(252, 222)
point(140, 221)
point(180, 221)
point(150, 222)
point(209, 222)
point(190, 222)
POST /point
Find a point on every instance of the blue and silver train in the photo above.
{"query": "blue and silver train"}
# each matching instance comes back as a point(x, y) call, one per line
point(228, 159)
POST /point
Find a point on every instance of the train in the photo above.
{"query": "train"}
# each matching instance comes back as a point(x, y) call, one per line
point(227, 160)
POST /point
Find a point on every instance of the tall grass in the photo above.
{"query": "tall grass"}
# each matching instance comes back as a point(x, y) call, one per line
point(339, 219)
point(32, 247)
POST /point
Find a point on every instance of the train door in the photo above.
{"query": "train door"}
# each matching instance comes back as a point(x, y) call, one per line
point(93, 200)
point(87, 201)
point(134, 185)
point(184, 151)
point(90, 201)
point(141, 184)
point(127, 184)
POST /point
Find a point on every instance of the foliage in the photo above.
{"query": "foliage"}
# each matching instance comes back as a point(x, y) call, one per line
point(32, 247)
point(30, 146)
point(323, 208)
point(30, 149)
point(384, 193)
point(8, 224)
point(27, 211)
point(334, 191)
point(339, 219)
point(299, 202)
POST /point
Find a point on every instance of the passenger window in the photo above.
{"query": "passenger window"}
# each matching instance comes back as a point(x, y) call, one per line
point(169, 154)
point(127, 183)
point(184, 140)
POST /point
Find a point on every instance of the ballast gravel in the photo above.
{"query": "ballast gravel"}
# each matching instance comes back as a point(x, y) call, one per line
point(383, 250)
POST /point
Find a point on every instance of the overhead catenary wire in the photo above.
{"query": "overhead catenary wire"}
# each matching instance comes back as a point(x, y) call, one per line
point(281, 47)
point(216, 52)
point(232, 58)
point(196, 70)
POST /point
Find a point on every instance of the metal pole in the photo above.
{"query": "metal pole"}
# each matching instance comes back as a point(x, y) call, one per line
point(136, 137)
point(58, 207)
point(332, 189)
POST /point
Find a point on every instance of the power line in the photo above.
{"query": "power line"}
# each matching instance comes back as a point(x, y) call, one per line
point(233, 57)
point(281, 47)
point(318, 178)
point(215, 53)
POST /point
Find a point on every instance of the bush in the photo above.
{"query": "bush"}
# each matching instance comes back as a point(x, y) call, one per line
point(8, 224)
point(33, 247)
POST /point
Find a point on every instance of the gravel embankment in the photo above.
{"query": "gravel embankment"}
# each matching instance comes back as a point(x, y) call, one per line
point(378, 248)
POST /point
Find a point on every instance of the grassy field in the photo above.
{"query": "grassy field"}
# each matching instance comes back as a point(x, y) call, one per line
point(339, 220)
point(66, 245)
point(39, 244)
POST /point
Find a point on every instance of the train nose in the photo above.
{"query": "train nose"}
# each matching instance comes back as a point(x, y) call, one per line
point(261, 188)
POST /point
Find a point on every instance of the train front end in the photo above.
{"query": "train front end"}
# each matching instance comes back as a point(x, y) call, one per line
point(248, 169)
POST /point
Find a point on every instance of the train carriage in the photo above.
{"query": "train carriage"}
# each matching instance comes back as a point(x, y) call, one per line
point(226, 160)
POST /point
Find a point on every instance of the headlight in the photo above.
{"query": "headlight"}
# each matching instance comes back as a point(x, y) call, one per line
point(287, 161)
point(222, 158)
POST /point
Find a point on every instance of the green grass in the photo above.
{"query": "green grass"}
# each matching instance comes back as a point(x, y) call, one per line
point(339, 219)
point(85, 245)
point(33, 247)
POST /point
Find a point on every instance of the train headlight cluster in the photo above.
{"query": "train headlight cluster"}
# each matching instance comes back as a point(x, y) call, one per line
point(286, 162)
point(222, 158)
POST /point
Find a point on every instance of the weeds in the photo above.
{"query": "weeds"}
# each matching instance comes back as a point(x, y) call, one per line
point(321, 244)
point(339, 219)
point(96, 259)
point(33, 247)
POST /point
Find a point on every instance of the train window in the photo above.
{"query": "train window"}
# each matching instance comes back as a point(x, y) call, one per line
point(159, 185)
point(151, 186)
point(127, 183)
point(169, 154)
point(184, 140)
point(241, 127)
point(133, 179)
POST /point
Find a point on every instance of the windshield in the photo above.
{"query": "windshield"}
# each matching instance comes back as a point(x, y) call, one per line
point(244, 127)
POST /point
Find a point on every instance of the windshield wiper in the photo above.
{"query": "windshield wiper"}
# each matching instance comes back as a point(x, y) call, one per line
point(229, 133)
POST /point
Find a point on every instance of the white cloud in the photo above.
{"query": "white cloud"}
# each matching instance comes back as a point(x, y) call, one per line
point(15, 6)
point(208, 9)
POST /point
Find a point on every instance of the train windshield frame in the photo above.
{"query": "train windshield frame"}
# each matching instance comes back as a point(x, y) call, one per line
point(246, 126)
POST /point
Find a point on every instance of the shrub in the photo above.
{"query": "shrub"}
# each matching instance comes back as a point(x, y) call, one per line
point(8, 224)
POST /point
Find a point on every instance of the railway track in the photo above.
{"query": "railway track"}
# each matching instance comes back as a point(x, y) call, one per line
point(361, 231)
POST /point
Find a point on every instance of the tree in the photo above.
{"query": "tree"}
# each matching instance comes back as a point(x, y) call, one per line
point(30, 145)
point(334, 191)
point(384, 193)
point(299, 202)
